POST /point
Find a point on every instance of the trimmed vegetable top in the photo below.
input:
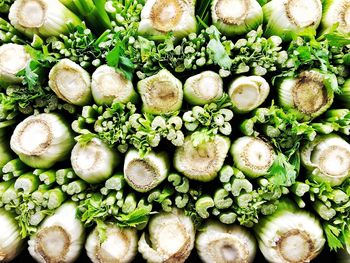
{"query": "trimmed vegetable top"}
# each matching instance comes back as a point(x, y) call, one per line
point(174, 130)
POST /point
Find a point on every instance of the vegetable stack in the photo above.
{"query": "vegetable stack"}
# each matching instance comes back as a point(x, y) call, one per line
point(173, 130)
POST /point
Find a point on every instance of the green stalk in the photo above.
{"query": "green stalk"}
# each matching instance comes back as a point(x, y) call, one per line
point(105, 191)
point(226, 173)
point(247, 127)
point(10, 194)
point(323, 128)
point(18, 173)
point(228, 217)
point(215, 212)
point(202, 206)
point(300, 189)
point(110, 199)
point(55, 197)
point(39, 171)
point(239, 185)
point(345, 95)
point(129, 204)
point(244, 200)
point(271, 131)
point(48, 177)
point(119, 195)
point(75, 198)
point(8, 34)
point(13, 165)
point(227, 187)
point(27, 183)
point(4, 186)
point(8, 177)
point(167, 205)
point(116, 182)
point(93, 12)
point(64, 176)
point(184, 187)
point(325, 212)
point(38, 195)
point(76, 187)
point(300, 202)
point(339, 196)
point(153, 196)
point(120, 203)
point(268, 208)
point(91, 111)
point(181, 184)
point(37, 218)
point(181, 201)
point(81, 196)
point(222, 199)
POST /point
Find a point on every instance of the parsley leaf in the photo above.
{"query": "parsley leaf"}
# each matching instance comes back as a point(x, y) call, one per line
point(282, 173)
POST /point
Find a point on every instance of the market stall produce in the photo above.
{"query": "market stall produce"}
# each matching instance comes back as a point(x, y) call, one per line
point(174, 130)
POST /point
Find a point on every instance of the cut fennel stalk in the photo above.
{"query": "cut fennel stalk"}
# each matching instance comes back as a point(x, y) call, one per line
point(336, 12)
point(147, 172)
point(159, 17)
point(59, 238)
point(290, 235)
point(70, 82)
point(171, 238)
point(161, 93)
point(111, 243)
point(225, 243)
point(11, 242)
point(13, 58)
point(42, 140)
point(201, 162)
point(310, 94)
point(42, 17)
point(286, 18)
point(327, 159)
point(248, 93)
point(236, 17)
point(109, 86)
point(94, 161)
point(252, 156)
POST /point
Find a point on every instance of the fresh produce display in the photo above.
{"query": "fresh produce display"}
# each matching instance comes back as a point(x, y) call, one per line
point(174, 130)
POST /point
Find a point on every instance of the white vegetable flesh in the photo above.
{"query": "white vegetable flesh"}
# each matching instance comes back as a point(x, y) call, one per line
point(13, 58)
point(11, 242)
point(70, 82)
point(59, 238)
point(42, 140)
point(159, 17)
point(94, 162)
point(253, 156)
point(225, 243)
point(119, 244)
point(171, 238)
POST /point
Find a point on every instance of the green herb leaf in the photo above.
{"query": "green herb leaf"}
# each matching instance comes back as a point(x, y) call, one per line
point(282, 173)
point(332, 235)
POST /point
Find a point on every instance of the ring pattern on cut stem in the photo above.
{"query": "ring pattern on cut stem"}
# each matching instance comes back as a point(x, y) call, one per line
point(36, 9)
point(166, 14)
point(232, 12)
